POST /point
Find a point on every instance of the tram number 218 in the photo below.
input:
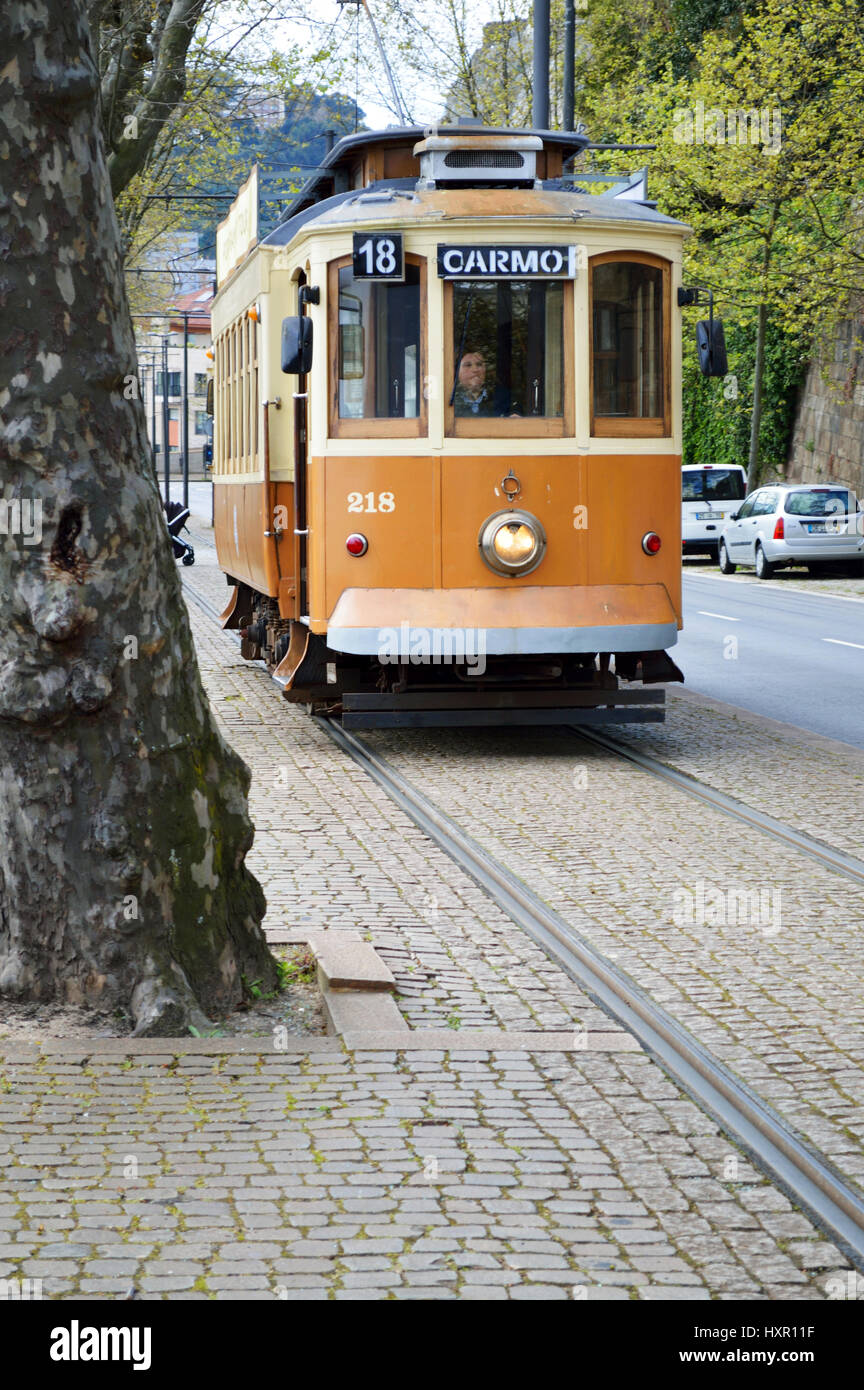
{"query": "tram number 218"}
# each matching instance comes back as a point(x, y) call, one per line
point(366, 502)
point(378, 256)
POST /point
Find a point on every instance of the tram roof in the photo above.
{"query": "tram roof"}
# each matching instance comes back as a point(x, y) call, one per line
point(351, 148)
point(556, 198)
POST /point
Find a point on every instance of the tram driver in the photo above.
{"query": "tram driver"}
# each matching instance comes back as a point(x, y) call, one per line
point(472, 395)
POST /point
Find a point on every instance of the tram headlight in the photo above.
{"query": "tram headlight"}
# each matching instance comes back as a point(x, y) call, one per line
point(512, 542)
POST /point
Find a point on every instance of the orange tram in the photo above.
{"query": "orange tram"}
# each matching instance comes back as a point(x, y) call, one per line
point(447, 435)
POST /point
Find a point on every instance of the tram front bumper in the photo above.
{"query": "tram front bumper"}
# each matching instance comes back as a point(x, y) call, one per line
point(527, 620)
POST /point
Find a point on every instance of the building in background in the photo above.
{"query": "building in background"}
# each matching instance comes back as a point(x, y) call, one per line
point(161, 359)
point(266, 109)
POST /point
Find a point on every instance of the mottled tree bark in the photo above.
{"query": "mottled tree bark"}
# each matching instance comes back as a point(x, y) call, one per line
point(123, 820)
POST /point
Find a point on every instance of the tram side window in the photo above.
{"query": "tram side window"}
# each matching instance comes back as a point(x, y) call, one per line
point(627, 344)
point(379, 347)
point(508, 349)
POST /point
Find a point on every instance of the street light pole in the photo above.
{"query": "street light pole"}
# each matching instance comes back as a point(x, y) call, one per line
point(166, 449)
point(185, 408)
point(540, 96)
point(153, 410)
point(569, 64)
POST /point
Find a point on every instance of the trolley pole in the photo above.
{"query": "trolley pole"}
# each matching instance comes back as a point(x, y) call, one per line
point(185, 409)
point(569, 100)
point(540, 103)
point(166, 457)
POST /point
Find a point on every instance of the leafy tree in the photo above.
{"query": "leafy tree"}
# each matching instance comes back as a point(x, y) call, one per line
point(200, 146)
point(287, 153)
point(142, 51)
point(759, 148)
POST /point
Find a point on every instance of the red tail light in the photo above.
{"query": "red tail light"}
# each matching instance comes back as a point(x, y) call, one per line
point(651, 542)
point(778, 529)
point(356, 544)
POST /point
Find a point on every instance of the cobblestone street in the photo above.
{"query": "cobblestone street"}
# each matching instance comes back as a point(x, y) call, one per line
point(209, 1169)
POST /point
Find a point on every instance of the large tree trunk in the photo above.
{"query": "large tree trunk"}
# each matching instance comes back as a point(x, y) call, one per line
point(123, 820)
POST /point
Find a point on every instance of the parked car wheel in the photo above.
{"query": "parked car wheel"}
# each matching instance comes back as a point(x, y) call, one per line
point(764, 569)
point(726, 565)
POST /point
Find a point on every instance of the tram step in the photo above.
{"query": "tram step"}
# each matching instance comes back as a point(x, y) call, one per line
point(500, 699)
point(480, 718)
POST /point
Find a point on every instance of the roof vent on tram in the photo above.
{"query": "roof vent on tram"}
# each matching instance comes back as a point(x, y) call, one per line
point(474, 157)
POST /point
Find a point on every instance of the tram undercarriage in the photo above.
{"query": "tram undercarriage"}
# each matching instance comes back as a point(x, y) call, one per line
point(422, 688)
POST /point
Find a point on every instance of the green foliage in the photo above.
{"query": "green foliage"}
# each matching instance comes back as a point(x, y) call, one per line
point(680, 27)
point(298, 971)
point(207, 143)
point(287, 154)
point(717, 424)
point(774, 199)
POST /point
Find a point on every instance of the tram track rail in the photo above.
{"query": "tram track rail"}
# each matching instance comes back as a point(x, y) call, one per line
point(825, 855)
point(805, 1175)
point(774, 1146)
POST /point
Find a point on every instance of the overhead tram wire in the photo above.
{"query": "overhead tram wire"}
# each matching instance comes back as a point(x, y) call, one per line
point(400, 109)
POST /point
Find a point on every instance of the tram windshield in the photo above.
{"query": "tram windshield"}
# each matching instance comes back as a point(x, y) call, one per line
point(379, 347)
point(508, 348)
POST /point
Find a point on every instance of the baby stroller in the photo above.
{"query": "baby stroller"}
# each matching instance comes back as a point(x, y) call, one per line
point(176, 516)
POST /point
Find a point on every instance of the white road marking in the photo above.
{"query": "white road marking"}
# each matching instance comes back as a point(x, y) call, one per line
point(703, 613)
point(742, 580)
point(835, 641)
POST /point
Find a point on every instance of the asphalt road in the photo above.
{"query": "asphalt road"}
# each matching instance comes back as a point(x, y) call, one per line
point(796, 657)
point(200, 496)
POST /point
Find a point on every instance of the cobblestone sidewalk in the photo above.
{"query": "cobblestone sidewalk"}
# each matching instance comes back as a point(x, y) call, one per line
point(315, 1174)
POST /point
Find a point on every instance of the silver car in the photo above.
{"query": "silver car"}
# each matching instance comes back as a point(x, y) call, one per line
point(806, 524)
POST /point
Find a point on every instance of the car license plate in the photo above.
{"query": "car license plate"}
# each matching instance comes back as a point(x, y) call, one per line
point(709, 516)
point(816, 527)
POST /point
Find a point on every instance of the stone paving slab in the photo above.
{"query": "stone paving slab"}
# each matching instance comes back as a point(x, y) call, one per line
point(489, 1038)
point(346, 962)
point(75, 1050)
point(361, 1011)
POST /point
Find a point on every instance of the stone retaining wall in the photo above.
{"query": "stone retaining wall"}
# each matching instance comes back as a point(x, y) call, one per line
point(828, 436)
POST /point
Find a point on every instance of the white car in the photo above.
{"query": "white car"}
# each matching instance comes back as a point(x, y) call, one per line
point(806, 524)
point(709, 494)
